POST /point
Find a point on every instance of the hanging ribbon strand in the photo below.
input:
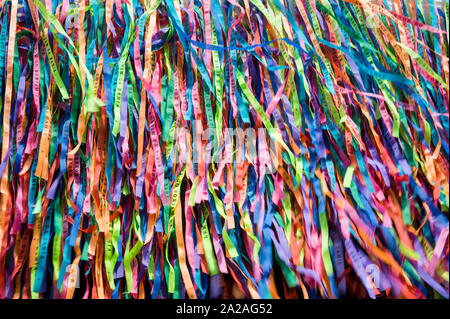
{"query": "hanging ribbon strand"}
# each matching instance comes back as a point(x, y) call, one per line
point(216, 149)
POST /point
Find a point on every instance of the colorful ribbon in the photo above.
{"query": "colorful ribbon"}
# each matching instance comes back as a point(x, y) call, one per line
point(216, 149)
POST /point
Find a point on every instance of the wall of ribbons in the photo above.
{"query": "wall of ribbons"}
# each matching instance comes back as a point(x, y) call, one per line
point(224, 149)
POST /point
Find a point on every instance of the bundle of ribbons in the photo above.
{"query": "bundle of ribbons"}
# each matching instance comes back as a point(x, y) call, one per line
point(224, 149)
